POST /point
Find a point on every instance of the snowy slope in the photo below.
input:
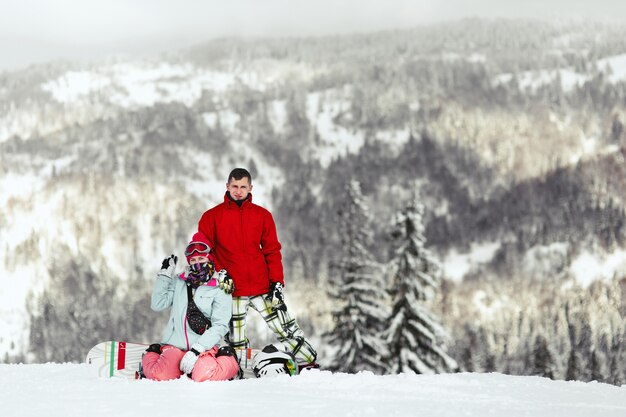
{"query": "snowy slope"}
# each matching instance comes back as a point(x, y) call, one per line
point(137, 84)
point(615, 66)
point(72, 390)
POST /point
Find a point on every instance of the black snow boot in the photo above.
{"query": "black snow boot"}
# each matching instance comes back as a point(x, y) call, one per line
point(155, 347)
point(226, 351)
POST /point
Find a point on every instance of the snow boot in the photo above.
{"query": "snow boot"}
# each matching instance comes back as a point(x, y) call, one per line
point(226, 351)
point(308, 366)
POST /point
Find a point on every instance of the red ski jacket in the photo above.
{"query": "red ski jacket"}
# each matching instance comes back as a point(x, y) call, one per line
point(244, 241)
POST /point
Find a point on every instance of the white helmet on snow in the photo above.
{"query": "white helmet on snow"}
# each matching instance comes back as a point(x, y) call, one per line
point(274, 360)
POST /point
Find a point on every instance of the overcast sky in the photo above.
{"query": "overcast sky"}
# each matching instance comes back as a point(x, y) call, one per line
point(39, 30)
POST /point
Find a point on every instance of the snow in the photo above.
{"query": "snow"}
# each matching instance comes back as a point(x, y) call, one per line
point(61, 390)
point(278, 115)
point(487, 307)
point(141, 84)
point(13, 313)
point(137, 84)
point(540, 260)
point(590, 147)
point(18, 186)
point(534, 79)
point(588, 267)
point(74, 84)
point(456, 265)
point(570, 79)
point(618, 67)
point(610, 149)
point(396, 139)
point(228, 120)
point(31, 216)
point(335, 140)
point(454, 56)
point(210, 119)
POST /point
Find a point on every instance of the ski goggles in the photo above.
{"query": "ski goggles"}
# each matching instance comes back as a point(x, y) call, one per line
point(197, 247)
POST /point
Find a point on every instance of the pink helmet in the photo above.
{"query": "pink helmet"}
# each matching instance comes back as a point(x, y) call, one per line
point(199, 245)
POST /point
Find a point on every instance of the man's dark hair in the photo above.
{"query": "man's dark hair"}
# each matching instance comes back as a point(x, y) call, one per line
point(239, 173)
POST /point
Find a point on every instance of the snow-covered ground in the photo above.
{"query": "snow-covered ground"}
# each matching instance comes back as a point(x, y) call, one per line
point(67, 390)
point(615, 66)
point(137, 84)
point(456, 265)
point(588, 267)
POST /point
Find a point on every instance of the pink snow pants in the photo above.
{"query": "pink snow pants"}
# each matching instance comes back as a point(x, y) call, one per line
point(208, 368)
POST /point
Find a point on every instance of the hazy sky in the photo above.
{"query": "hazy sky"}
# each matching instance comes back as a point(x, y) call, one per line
point(39, 30)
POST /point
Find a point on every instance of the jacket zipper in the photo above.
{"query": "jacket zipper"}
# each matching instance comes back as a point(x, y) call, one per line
point(243, 244)
point(243, 239)
point(185, 325)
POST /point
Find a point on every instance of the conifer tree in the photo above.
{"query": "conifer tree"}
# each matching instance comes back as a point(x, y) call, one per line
point(65, 320)
point(543, 360)
point(415, 335)
point(597, 373)
point(359, 293)
point(573, 366)
point(617, 372)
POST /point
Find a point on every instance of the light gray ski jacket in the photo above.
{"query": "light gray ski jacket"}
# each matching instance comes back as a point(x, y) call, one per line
point(171, 292)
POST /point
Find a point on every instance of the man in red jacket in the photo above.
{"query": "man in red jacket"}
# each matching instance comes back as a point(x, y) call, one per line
point(243, 239)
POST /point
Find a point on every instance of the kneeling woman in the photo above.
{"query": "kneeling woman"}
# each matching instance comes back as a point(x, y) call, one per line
point(201, 307)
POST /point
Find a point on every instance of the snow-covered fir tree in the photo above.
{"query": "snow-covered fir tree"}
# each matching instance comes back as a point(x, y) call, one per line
point(414, 335)
point(359, 293)
point(543, 360)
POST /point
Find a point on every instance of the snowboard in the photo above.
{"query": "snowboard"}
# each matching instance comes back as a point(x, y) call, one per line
point(245, 356)
point(115, 359)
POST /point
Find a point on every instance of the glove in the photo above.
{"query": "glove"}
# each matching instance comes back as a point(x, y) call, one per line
point(275, 296)
point(169, 265)
point(191, 357)
point(225, 281)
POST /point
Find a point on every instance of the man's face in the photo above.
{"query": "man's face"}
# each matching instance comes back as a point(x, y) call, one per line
point(239, 189)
